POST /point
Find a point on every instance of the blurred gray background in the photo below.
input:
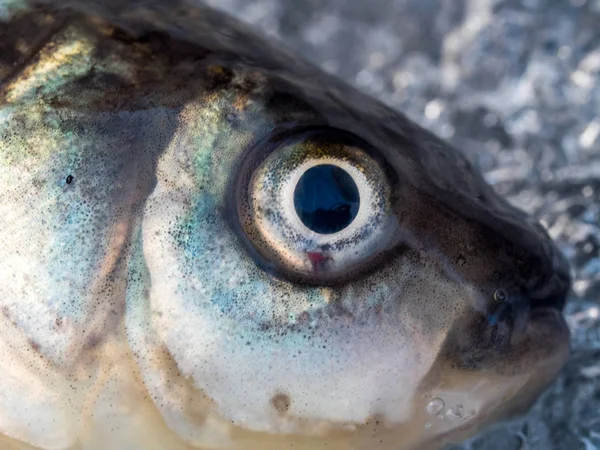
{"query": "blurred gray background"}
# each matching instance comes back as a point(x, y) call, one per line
point(514, 84)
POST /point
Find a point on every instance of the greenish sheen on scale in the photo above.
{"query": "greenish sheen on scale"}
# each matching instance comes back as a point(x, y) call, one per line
point(160, 289)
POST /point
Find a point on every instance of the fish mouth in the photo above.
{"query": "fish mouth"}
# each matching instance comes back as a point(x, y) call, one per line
point(501, 379)
point(509, 338)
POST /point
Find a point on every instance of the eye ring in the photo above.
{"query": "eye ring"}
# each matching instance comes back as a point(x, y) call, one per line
point(272, 229)
point(357, 177)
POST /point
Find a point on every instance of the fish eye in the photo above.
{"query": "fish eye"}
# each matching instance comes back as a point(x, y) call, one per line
point(317, 206)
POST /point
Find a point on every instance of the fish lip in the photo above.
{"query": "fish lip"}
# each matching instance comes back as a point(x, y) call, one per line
point(552, 318)
point(555, 289)
point(546, 281)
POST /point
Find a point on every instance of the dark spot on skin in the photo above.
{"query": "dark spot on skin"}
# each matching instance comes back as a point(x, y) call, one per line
point(93, 341)
point(37, 183)
point(69, 179)
point(34, 345)
point(281, 402)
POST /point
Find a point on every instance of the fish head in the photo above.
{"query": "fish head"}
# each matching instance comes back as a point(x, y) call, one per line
point(209, 243)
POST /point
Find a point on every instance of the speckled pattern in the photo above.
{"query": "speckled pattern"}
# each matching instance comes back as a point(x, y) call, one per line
point(132, 278)
point(514, 84)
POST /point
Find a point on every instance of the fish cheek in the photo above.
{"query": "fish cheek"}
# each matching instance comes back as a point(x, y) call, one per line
point(179, 256)
point(272, 358)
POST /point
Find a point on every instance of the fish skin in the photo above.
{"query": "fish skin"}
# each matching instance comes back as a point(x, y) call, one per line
point(125, 282)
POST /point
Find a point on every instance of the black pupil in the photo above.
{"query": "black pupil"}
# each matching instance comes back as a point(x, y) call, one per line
point(326, 199)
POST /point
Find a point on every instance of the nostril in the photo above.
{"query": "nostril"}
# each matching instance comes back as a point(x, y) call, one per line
point(554, 302)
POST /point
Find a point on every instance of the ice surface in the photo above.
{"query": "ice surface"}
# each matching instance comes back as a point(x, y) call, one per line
point(515, 85)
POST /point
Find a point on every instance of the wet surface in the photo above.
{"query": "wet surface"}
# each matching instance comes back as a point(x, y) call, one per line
point(514, 84)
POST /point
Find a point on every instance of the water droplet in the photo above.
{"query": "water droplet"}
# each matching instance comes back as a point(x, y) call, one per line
point(435, 406)
point(428, 425)
point(500, 296)
point(456, 413)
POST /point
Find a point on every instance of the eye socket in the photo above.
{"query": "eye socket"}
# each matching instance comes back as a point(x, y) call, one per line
point(317, 206)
